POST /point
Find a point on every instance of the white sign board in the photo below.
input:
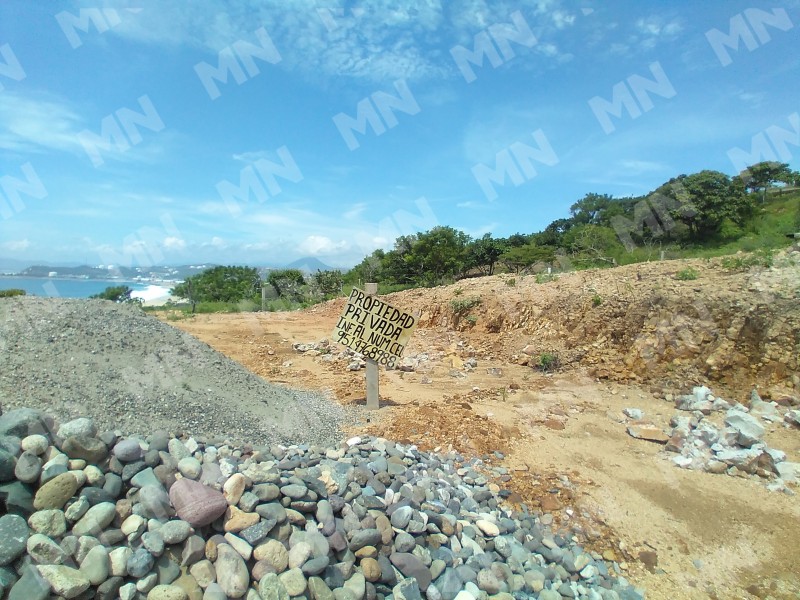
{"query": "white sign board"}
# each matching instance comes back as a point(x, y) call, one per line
point(374, 328)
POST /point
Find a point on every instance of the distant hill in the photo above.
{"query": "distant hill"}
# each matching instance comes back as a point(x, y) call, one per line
point(162, 273)
point(309, 264)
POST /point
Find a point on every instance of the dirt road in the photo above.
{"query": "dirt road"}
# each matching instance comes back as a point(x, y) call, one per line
point(679, 534)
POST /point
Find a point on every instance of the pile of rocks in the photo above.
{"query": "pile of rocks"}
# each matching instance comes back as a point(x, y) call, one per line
point(737, 448)
point(355, 361)
point(99, 515)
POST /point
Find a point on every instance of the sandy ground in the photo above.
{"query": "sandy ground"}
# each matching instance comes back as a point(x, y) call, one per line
point(679, 534)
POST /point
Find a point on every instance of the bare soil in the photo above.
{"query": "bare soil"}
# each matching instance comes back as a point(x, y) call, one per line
point(625, 337)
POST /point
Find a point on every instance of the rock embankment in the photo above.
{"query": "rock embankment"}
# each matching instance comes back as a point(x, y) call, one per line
point(128, 370)
point(98, 515)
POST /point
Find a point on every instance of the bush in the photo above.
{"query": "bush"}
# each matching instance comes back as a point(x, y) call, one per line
point(597, 300)
point(548, 362)
point(11, 293)
point(463, 305)
point(511, 282)
point(121, 294)
point(687, 274)
point(761, 258)
point(545, 277)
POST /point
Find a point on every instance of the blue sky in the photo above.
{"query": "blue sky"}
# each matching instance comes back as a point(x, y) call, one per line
point(171, 132)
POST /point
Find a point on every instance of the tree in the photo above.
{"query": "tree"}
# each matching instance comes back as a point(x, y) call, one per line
point(763, 175)
point(593, 244)
point(287, 282)
point(713, 198)
point(520, 257)
point(220, 284)
point(428, 258)
point(484, 253)
point(589, 209)
point(329, 282)
point(121, 294)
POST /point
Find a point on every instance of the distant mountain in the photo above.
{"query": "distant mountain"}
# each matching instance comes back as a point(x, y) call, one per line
point(13, 265)
point(309, 264)
point(159, 273)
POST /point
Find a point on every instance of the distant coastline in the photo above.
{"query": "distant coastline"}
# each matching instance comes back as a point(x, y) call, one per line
point(155, 291)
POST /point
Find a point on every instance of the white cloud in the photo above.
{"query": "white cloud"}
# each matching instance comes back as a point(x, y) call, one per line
point(355, 211)
point(174, 243)
point(16, 245)
point(32, 124)
point(316, 245)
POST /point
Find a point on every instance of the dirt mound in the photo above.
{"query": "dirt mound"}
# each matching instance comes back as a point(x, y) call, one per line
point(130, 371)
point(678, 323)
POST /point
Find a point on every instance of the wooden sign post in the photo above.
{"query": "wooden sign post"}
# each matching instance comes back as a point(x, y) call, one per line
point(376, 330)
point(373, 394)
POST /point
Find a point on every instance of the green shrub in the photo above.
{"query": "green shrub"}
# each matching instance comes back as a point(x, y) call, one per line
point(464, 304)
point(11, 293)
point(687, 274)
point(545, 277)
point(764, 257)
point(548, 362)
point(511, 282)
point(597, 300)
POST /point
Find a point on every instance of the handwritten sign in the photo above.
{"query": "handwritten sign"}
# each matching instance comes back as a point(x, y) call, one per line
point(374, 328)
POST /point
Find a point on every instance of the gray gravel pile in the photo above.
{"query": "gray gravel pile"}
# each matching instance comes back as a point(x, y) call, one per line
point(96, 515)
point(128, 370)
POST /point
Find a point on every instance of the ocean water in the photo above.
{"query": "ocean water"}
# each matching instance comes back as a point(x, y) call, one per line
point(77, 288)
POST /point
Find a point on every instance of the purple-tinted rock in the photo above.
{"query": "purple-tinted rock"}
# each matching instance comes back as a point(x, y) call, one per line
point(195, 503)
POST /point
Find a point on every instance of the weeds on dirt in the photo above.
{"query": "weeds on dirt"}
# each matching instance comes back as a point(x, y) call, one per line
point(545, 277)
point(548, 362)
point(11, 293)
point(462, 305)
point(761, 258)
point(511, 282)
point(687, 274)
point(597, 300)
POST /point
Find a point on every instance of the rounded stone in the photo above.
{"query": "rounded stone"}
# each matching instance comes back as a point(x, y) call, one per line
point(80, 426)
point(190, 467)
point(13, 538)
point(294, 581)
point(232, 574)
point(371, 569)
point(97, 518)
point(65, 581)
point(174, 532)
point(273, 552)
point(96, 565)
point(50, 522)
point(128, 451)
point(56, 492)
point(28, 467)
point(139, 563)
point(84, 447)
point(196, 503)
point(167, 592)
point(488, 528)
point(35, 444)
